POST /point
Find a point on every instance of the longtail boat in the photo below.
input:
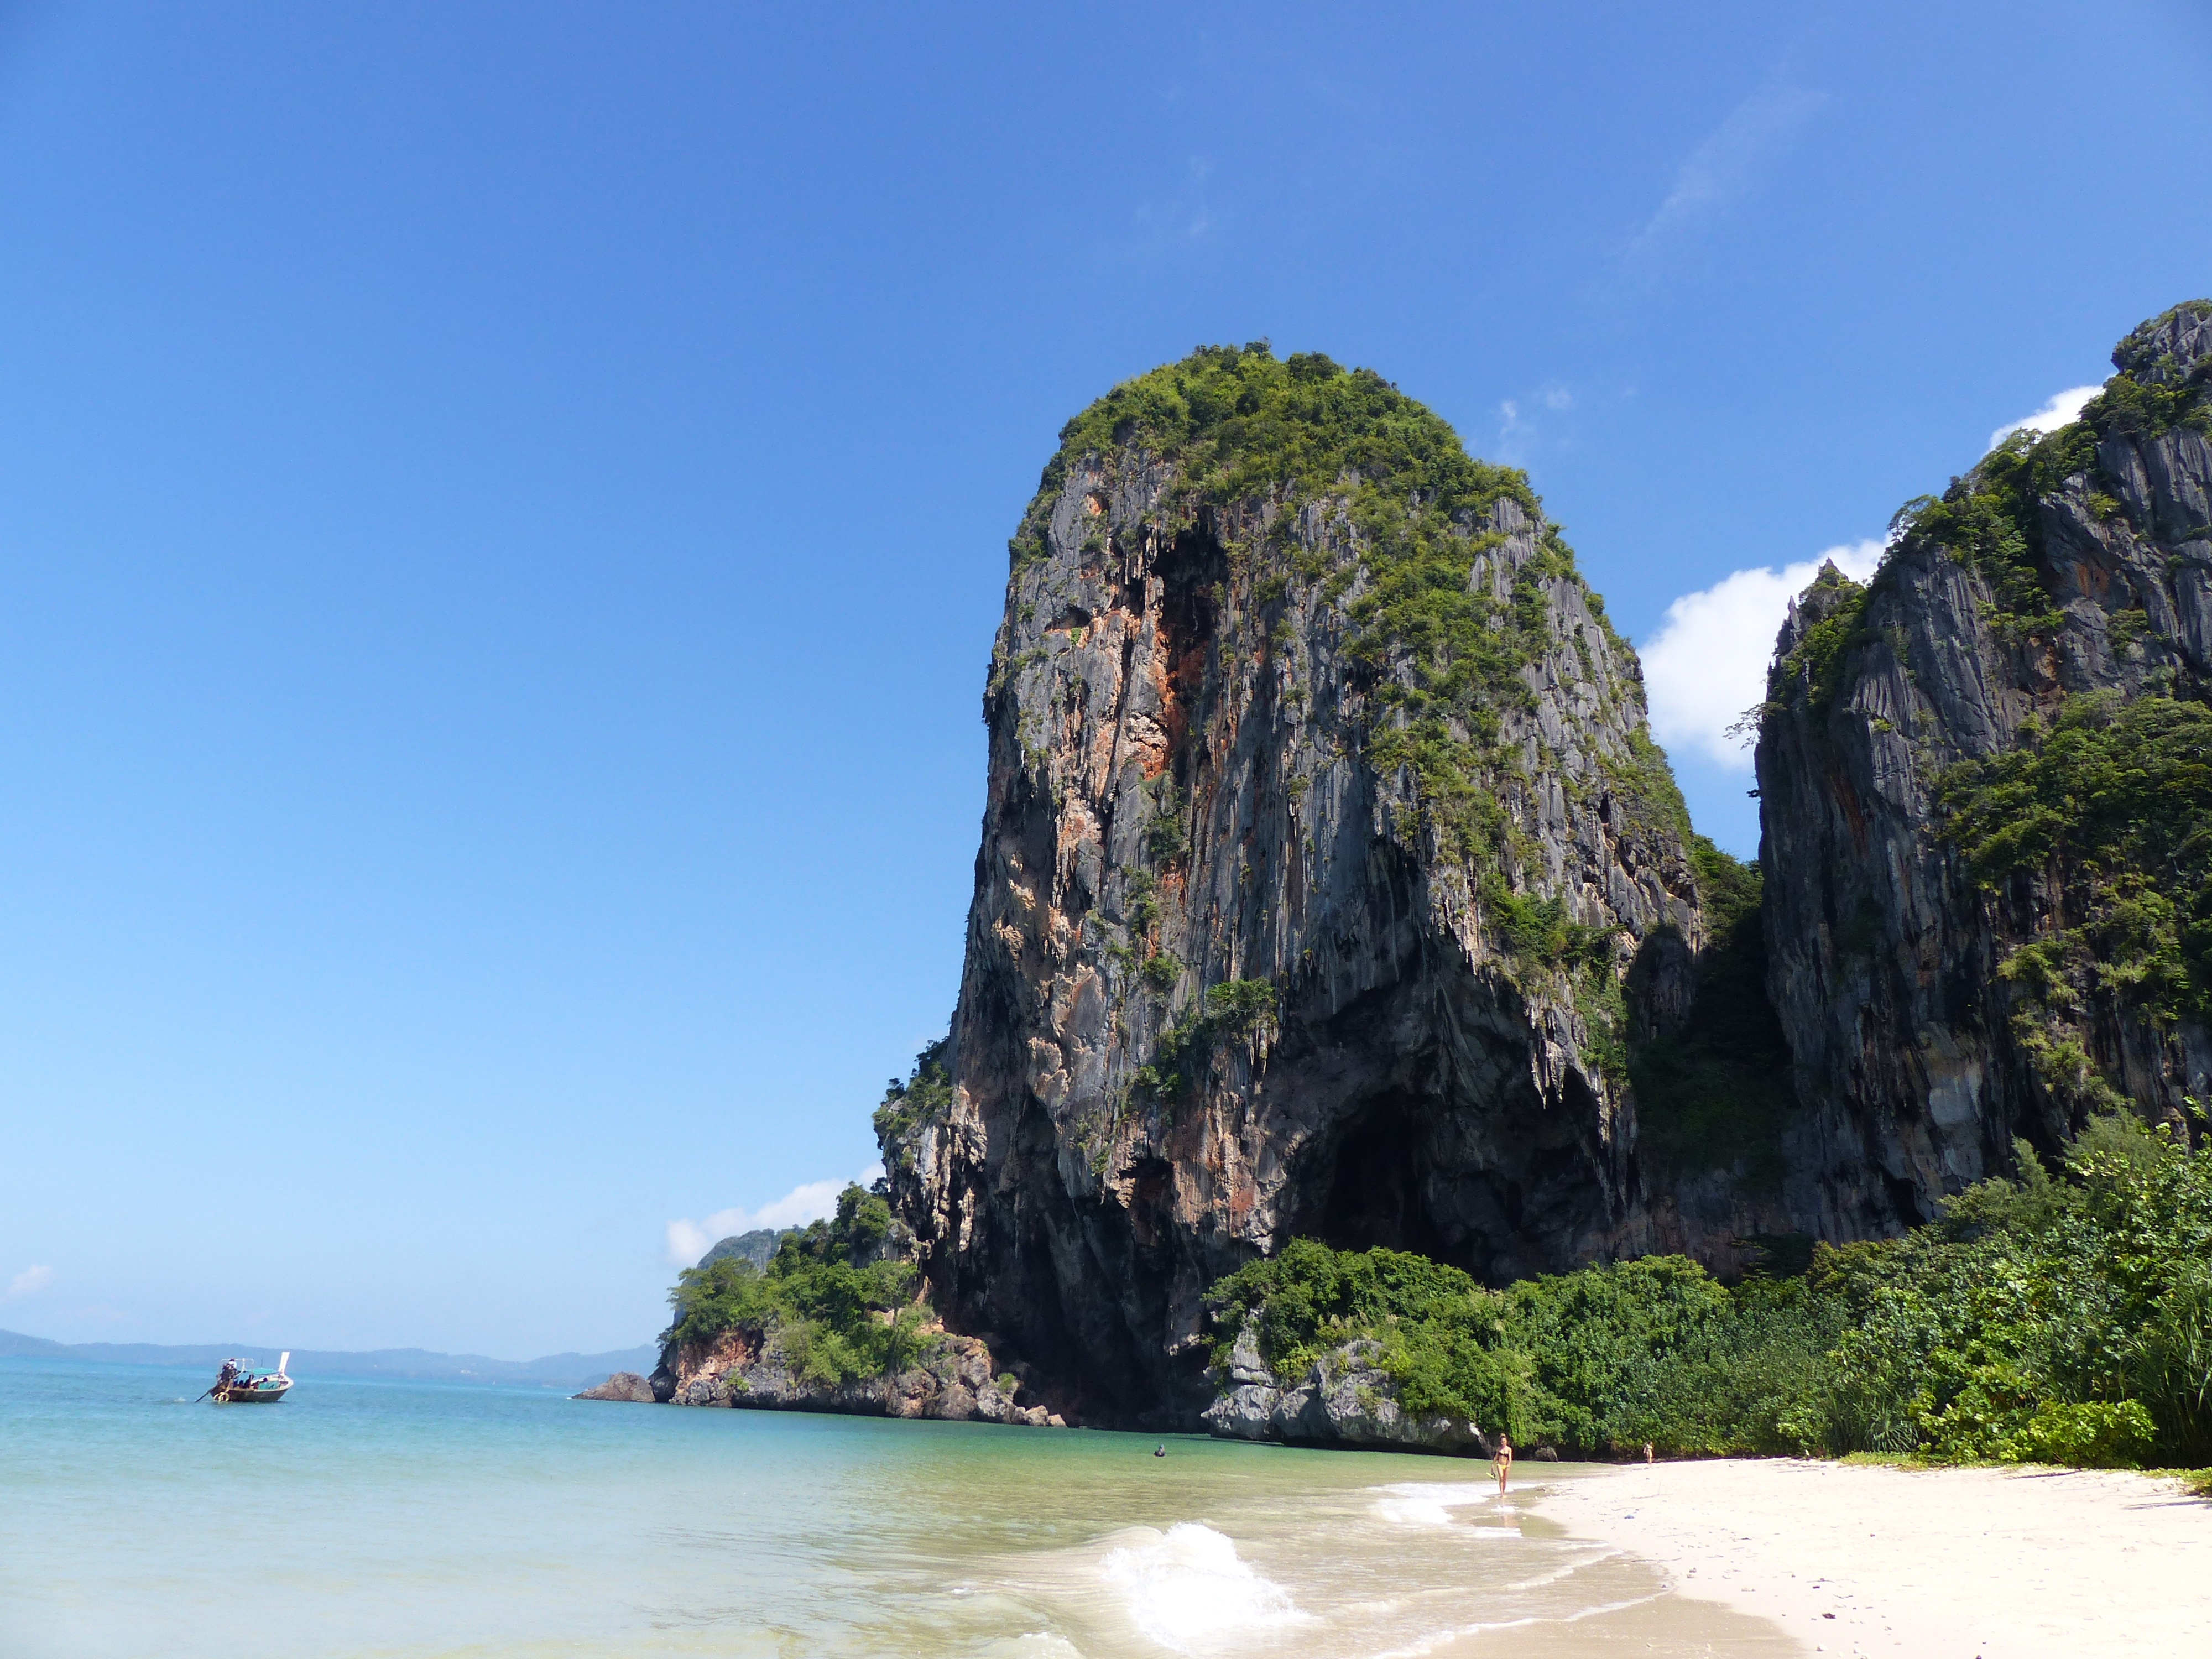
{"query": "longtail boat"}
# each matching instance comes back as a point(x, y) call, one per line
point(239, 1384)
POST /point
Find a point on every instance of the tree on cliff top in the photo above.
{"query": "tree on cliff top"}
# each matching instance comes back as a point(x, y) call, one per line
point(832, 1299)
point(1243, 428)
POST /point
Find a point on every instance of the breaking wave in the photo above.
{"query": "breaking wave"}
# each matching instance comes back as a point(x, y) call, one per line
point(1186, 1587)
point(1418, 1504)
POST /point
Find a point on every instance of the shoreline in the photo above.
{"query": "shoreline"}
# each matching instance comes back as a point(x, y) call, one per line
point(1947, 1563)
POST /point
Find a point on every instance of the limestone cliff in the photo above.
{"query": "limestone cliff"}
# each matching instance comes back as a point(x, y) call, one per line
point(1985, 794)
point(1328, 880)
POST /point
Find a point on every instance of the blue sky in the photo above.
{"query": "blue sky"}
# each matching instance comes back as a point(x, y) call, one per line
point(502, 516)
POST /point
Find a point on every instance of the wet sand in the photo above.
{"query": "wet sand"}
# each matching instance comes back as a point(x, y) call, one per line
point(1896, 1563)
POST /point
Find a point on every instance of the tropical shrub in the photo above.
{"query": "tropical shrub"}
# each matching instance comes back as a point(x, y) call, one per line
point(831, 1301)
point(2060, 1317)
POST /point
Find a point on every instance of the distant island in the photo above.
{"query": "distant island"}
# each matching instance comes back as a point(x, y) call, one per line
point(566, 1371)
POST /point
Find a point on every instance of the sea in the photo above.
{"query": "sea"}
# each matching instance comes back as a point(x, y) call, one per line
point(396, 1519)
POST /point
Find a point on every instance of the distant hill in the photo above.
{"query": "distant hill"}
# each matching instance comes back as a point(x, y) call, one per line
point(567, 1371)
point(757, 1247)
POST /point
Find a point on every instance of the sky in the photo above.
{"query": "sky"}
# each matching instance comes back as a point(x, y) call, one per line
point(503, 514)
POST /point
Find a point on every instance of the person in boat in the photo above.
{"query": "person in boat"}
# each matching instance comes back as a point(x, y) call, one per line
point(226, 1375)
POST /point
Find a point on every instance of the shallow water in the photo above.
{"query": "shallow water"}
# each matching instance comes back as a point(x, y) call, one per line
point(406, 1519)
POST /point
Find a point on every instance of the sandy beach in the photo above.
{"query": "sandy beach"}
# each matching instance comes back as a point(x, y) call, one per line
point(1950, 1564)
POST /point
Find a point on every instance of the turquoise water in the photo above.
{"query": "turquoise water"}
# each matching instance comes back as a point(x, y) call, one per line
point(406, 1519)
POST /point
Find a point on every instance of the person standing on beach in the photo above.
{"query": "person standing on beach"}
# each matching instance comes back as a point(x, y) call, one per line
point(1647, 1451)
point(1501, 1460)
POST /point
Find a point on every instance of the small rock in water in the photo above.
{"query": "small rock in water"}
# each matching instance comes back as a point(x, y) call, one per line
point(623, 1385)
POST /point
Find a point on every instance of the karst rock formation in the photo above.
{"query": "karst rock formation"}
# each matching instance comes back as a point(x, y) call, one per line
point(1969, 942)
point(1331, 885)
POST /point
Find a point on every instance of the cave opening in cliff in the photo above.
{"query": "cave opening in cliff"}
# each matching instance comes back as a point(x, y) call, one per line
point(1370, 1190)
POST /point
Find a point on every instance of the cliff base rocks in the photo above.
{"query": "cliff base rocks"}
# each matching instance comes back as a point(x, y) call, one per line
point(953, 1381)
point(830, 1321)
point(1345, 1399)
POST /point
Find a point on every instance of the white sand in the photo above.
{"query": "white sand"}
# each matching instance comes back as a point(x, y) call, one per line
point(2000, 1562)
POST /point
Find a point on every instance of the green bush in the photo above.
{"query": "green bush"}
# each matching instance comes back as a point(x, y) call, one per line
point(1600, 1360)
point(1439, 1330)
point(1815, 667)
point(2055, 1318)
point(1234, 1010)
point(1240, 1007)
point(1167, 837)
point(831, 1301)
point(925, 1096)
point(2089, 1434)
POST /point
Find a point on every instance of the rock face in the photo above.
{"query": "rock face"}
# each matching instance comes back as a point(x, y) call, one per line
point(624, 1386)
point(1963, 949)
point(956, 1384)
point(1346, 1399)
point(1328, 876)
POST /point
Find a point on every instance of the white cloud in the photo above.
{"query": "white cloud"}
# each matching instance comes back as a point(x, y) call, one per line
point(813, 1200)
point(1513, 434)
point(1522, 422)
point(1707, 664)
point(29, 1282)
point(1719, 169)
point(2063, 409)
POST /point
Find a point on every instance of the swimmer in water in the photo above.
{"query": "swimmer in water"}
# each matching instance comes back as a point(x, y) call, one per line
point(1504, 1460)
point(1160, 1451)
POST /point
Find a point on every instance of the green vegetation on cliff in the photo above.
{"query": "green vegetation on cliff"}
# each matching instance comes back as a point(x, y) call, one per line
point(1991, 519)
point(924, 1097)
point(2062, 1319)
point(1716, 1094)
point(2116, 798)
point(1245, 426)
point(2109, 797)
point(831, 1302)
point(1235, 1010)
point(2088, 834)
point(1814, 667)
point(1246, 430)
point(2154, 392)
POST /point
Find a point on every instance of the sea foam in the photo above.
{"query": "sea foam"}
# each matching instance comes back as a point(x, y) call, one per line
point(1036, 1644)
point(1430, 1504)
point(1186, 1588)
